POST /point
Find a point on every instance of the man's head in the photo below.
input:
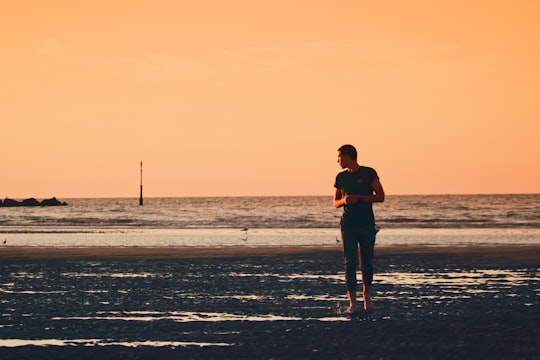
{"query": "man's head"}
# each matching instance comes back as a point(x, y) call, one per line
point(347, 155)
point(350, 151)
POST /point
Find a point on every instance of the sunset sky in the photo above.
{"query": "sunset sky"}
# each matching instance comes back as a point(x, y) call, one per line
point(234, 98)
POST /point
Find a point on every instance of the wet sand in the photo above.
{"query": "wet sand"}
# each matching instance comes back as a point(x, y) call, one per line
point(467, 254)
point(264, 303)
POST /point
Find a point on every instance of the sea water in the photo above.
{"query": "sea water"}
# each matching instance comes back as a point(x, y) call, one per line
point(435, 220)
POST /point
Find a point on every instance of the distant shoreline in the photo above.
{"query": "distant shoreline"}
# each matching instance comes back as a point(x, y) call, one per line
point(136, 197)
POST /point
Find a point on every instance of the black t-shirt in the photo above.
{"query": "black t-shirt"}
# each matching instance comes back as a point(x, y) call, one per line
point(357, 183)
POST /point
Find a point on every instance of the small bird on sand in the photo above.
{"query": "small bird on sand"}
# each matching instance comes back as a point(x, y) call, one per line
point(245, 230)
point(337, 240)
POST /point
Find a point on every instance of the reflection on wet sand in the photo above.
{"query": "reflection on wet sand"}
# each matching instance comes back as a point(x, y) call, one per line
point(101, 342)
point(204, 303)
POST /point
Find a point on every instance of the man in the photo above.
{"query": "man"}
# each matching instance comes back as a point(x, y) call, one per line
point(357, 188)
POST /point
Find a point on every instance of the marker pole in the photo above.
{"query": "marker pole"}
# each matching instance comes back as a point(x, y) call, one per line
point(140, 197)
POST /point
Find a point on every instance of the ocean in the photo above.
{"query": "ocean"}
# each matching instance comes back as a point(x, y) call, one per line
point(434, 220)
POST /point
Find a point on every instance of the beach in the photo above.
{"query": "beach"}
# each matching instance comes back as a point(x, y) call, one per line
point(267, 303)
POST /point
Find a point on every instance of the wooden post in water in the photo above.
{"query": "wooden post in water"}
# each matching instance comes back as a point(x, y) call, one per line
point(140, 197)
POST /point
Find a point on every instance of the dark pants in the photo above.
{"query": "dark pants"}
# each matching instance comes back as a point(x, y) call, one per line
point(355, 237)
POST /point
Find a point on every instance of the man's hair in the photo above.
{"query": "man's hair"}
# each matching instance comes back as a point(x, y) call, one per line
point(349, 150)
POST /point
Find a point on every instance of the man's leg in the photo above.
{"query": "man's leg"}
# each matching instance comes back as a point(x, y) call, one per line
point(367, 249)
point(350, 259)
point(368, 303)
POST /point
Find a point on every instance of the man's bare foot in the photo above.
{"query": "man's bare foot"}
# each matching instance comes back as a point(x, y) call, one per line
point(352, 309)
point(368, 304)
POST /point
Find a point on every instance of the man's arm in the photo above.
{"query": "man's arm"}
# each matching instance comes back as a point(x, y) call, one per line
point(378, 191)
point(339, 200)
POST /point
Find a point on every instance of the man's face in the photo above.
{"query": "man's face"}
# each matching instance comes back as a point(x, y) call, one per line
point(343, 160)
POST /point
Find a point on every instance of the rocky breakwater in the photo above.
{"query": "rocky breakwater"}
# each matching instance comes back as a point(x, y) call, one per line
point(31, 202)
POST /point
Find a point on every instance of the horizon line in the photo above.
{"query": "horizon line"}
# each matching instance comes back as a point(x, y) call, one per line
point(263, 196)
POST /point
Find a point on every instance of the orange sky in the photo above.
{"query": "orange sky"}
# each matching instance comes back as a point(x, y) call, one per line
point(254, 97)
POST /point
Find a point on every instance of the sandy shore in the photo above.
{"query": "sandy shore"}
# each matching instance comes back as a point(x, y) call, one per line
point(270, 303)
point(472, 254)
